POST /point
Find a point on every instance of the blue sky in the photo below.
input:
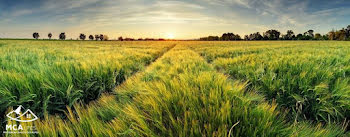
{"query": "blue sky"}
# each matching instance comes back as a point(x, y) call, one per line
point(160, 18)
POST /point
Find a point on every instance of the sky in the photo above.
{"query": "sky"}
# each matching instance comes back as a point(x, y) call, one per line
point(180, 19)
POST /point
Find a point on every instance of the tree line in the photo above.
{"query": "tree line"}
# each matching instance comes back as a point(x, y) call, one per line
point(342, 34)
point(141, 39)
point(82, 36)
point(101, 37)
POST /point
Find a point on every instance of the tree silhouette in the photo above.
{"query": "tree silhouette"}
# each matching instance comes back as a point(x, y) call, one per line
point(340, 35)
point(331, 35)
point(343, 34)
point(272, 34)
point(229, 37)
point(101, 37)
point(36, 35)
point(299, 37)
point(97, 37)
point(62, 36)
point(290, 35)
point(91, 37)
point(210, 38)
point(246, 37)
point(347, 31)
point(254, 36)
point(309, 34)
point(318, 36)
point(121, 39)
point(225, 37)
point(49, 35)
point(82, 36)
point(105, 37)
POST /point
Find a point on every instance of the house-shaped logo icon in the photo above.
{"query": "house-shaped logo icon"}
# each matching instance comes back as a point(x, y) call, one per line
point(17, 115)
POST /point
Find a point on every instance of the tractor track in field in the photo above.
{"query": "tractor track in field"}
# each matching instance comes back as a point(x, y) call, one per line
point(148, 64)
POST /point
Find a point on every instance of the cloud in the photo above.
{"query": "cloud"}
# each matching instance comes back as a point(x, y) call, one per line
point(21, 12)
point(156, 16)
point(158, 12)
point(63, 5)
point(283, 15)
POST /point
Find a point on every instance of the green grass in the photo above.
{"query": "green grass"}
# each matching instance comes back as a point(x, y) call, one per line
point(48, 75)
point(181, 95)
point(309, 78)
point(198, 88)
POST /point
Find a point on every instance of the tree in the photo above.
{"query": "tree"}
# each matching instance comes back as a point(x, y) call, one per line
point(246, 37)
point(237, 37)
point(331, 35)
point(308, 35)
point(97, 37)
point(289, 36)
point(121, 38)
point(101, 37)
point(347, 31)
point(105, 38)
point(36, 35)
point(255, 36)
point(49, 35)
point(343, 34)
point(224, 37)
point(129, 39)
point(82, 36)
point(311, 33)
point(325, 37)
point(230, 37)
point(210, 38)
point(149, 39)
point(340, 35)
point(62, 36)
point(337, 35)
point(91, 37)
point(272, 34)
point(213, 38)
point(299, 37)
point(318, 36)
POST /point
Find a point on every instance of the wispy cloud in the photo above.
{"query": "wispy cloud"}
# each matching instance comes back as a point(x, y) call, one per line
point(293, 14)
point(142, 17)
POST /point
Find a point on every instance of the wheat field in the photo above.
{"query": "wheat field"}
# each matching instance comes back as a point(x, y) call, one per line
point(178, 88)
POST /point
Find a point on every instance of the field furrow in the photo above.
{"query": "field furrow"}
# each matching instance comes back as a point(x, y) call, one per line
point(149, 63)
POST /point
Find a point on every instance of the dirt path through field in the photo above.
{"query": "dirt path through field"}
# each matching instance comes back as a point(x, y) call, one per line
point(147, 65)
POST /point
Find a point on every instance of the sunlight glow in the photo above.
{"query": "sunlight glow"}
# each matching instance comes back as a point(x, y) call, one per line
point(170, 36)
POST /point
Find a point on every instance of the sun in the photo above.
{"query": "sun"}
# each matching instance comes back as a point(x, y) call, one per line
point(170, 36)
